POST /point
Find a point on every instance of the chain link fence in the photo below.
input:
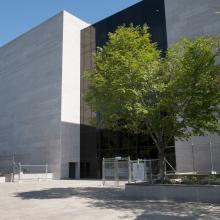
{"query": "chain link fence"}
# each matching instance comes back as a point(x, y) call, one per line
point(115, 169)
point(14, 171)
point(31, 172)
point(145, 170)
point(120, 169)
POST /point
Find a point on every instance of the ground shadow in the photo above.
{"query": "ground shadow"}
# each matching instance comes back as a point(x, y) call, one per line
point(115, 198)
point(164, 217)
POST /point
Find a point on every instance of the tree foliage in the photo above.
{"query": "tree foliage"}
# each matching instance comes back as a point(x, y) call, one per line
point(134, 88)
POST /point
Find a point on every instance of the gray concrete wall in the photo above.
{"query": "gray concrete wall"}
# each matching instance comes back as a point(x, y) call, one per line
point(191, 18)
point(179, 193)
point(194, 18)
point(30, 100)
point(199, 154)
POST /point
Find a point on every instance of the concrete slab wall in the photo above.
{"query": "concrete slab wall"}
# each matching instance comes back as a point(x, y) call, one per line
point(179, 193)
point(194, 18)
point(30, 100)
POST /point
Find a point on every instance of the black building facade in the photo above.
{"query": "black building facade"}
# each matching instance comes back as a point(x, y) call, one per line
point(97, 143)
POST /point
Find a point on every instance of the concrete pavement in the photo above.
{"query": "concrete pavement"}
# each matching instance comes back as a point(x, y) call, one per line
point(88, 200)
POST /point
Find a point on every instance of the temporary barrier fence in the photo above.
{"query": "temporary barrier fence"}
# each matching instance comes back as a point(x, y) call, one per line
point(121, 169)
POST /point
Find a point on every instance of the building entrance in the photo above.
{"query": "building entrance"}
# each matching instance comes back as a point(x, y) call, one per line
point(72, 170)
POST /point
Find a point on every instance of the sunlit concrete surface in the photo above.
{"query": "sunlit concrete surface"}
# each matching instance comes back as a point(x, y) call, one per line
point(88, 200)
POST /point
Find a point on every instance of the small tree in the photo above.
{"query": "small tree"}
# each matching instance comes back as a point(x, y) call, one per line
point(135, 89)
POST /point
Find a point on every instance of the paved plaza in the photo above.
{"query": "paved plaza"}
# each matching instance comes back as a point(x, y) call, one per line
point(88, 200)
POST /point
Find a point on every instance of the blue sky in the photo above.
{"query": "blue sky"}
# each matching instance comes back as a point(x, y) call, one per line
point(18, 16)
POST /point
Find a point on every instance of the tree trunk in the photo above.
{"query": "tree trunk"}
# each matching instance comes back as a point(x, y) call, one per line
point(159, 142)
point(162, 162)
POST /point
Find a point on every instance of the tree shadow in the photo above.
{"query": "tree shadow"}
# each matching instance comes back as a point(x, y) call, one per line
point(164, 217)
point(115, 198)
point(61, 193)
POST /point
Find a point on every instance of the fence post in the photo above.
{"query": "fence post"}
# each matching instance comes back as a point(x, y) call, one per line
point(13, 167)
point(193, 157)
point(19, 174)
point(145, 171)
point(211, 157)
point(13, 172)
point(103, 171)
point(46, 170)
point(116, 172)
point(129, 170)
point(151, 174)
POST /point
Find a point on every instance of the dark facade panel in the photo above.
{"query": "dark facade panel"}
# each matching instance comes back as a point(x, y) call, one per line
point(97, 143)
point(150, 12)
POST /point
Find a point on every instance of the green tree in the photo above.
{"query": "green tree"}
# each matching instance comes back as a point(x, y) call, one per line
point(135, 89)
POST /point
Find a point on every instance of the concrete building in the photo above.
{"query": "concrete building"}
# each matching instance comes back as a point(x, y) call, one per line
point(43, 118)
point(40, 96)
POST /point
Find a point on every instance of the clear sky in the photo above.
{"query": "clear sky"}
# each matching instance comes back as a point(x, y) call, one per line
point(18, 16)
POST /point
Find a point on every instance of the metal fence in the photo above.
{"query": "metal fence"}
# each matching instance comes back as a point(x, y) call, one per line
point(30, 172)
point(115, 169)
point(16, 171)
point(199, 158)
point(23, 168)
point(120, 169)
point(143, 170)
